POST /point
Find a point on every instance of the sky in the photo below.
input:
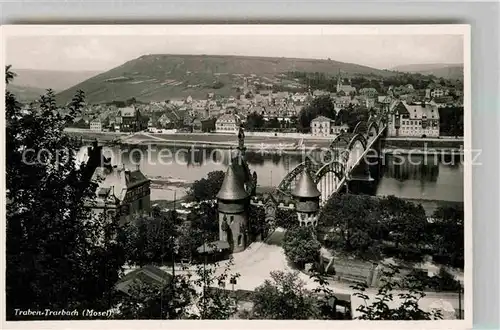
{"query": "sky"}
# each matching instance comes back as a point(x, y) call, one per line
point(101, 53)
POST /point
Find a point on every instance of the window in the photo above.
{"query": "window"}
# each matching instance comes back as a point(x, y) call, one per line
point(240, 240)
point(140, 204)
point(231, 219)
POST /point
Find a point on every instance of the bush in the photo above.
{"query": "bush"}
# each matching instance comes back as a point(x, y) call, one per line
point(445, 281)
point(301, 246)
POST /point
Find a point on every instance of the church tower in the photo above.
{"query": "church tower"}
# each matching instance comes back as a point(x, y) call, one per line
point(306, 196)
point(339, 82)
point(233, 218)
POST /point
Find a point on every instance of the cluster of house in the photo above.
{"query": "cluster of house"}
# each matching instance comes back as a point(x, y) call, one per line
point(417, 119)
point(217, 114)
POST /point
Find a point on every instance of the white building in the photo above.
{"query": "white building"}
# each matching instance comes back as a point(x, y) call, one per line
point(227, 123)
point(322, 126)
point(96, 125)
point(438, 92)
point(419, 120)
point(339, 129)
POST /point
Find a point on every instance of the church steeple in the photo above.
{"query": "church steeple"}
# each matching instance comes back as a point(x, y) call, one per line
point(339, 81)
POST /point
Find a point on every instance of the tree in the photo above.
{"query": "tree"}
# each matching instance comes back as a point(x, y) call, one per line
point(286, 218)
point(56, 258)
point(257, 222)
point(206, 188)
point(354, 115)
point(152, 239)
point(153, 301)
point(202, 226)
point(406, 226)
point(284, 297)
point(379, 308)
point(447, 235)
point(216, 304)
point(353, 224)
point(301, 246)
point(254, 122)
point(320, 106)
point(9, 75)
point(451, 121)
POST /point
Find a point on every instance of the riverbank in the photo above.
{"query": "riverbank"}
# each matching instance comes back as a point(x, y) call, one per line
point(422, 146)
point(444, 143)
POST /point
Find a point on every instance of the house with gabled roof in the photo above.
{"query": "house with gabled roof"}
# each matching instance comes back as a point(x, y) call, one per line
point(415, 120)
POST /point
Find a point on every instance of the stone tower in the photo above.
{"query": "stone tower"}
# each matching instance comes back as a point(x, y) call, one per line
point(306, 196)
point(233, 215)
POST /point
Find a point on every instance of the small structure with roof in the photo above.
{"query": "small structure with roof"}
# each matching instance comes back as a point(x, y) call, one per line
point(234, 198)
point(150, 276)
point(306, 196)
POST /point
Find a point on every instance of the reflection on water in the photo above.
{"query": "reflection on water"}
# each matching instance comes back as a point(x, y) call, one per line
point(413, 177)
point(423, 177)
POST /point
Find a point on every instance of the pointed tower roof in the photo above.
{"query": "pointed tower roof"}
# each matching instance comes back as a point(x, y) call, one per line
point(232, 188)
point(305, 186)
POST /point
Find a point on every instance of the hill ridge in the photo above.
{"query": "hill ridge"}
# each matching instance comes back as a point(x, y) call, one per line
point(154, 77)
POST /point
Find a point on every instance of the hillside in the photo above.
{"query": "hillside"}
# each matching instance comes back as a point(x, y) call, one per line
point(44, 79)
point(161, 77)
point(25, 94)
point(440, 70)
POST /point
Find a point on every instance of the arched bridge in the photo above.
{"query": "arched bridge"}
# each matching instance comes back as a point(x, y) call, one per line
point(331, 168)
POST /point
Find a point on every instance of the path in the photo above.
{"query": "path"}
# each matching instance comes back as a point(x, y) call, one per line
point(257, 262)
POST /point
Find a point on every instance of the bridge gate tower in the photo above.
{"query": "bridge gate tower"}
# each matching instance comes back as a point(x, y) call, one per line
point(306, 196)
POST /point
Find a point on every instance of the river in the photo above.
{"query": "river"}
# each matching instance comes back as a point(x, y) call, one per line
point(421, 178)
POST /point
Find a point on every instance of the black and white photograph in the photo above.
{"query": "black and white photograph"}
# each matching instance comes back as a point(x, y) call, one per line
point(237, 172)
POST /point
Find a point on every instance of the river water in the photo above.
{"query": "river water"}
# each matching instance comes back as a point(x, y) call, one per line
point(426, 178)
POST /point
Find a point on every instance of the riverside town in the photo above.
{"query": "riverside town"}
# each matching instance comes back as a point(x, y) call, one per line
point(152, 185)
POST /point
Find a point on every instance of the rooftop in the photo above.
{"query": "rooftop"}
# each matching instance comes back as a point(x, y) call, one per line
point(145, 275)
point(322, 118)
point(127, 112)
point(233, 186)
point(305, 186)
point(418, 111)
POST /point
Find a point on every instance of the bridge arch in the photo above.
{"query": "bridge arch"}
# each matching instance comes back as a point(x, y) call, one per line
point(328, 179)
point(357, 147)
point(358, 137)
point(341, 138)
point(359, 127)
point(285, 184)
point(373, 129)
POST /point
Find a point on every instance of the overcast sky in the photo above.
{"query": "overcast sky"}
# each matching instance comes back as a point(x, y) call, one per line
point(102, 53)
